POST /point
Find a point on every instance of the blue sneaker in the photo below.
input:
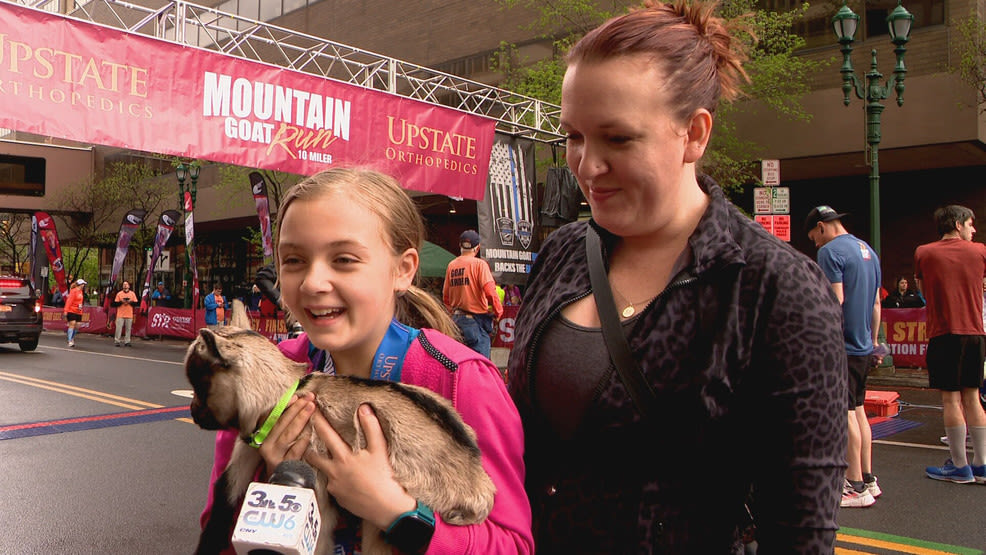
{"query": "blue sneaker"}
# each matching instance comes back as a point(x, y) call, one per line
point(979, 473)
point(951, 473)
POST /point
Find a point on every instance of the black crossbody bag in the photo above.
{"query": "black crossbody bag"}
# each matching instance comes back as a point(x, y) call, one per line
point(616, 343)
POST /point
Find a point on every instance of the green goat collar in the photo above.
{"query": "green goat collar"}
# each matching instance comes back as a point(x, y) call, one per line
point(257, 438)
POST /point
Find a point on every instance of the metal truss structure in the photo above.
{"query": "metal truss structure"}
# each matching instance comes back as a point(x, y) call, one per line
point(192, 25)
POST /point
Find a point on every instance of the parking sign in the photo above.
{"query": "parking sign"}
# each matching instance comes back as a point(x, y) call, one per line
point(770, 172)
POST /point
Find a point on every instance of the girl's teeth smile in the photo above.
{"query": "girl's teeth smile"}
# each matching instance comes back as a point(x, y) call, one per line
point(325, 312)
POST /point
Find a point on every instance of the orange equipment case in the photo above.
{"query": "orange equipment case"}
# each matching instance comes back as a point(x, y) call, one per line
point(882, 403)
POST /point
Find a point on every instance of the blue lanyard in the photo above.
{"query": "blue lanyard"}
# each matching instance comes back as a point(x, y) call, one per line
point(389, 358)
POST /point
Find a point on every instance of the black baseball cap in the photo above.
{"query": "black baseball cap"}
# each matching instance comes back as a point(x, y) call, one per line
point(823, 213)
point(469, 239)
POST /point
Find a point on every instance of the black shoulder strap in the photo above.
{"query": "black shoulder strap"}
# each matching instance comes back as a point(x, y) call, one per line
point(619, 350)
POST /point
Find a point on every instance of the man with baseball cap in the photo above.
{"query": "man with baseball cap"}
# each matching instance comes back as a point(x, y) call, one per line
point(469, 291)
point(854, 271)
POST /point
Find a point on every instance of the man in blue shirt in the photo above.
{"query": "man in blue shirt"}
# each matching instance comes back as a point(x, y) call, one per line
point(215, 308)
point(853, 268)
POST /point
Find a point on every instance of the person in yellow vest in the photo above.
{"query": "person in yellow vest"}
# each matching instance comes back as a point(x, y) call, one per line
point(468, 291)
point(124, 301)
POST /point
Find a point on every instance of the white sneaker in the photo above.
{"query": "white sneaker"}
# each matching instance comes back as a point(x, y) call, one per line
point(968, 440)
point(853, 498)
point(874, 488)
point(71, 343)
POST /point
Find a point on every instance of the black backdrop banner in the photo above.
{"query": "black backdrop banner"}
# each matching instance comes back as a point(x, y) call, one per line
point(508, 226)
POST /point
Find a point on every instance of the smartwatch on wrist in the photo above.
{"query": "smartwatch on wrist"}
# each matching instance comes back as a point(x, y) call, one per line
point(411, 532)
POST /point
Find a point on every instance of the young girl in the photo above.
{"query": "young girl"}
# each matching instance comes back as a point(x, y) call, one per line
point(347, 250)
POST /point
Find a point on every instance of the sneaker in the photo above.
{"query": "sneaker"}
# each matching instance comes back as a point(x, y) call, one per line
point(116, 344)
point(979, 473)
point(951, 473)
point(853, 498)
point(71, 343)
point(875, 490)
point(127, 345)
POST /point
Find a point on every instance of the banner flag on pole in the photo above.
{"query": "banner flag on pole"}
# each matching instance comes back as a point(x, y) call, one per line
point(190, 247)
point(131, 221)
point(166, 224)
point(507, 226)
point(32, 254)
point(259, 186)
point(49, 236)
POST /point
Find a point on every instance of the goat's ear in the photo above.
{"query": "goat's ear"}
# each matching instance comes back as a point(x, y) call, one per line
point(214, 345)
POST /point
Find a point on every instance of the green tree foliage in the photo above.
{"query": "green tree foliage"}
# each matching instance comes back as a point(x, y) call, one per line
point(15, 232)
point(90, 212)
point(971, 54)
point(779, 78)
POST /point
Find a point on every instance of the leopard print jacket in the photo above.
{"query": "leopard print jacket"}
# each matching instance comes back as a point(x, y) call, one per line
point(745, 354)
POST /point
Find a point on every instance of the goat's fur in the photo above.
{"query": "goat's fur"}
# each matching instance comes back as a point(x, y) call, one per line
point(238, 376)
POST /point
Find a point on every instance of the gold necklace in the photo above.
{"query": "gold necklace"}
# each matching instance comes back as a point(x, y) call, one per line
point(629, 310)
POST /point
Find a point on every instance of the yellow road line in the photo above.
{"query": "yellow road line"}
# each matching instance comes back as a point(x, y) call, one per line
point(90, 394)
point(897, 547)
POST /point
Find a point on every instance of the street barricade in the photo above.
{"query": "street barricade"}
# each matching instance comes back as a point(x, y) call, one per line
point(180, 323)
point(907, 335)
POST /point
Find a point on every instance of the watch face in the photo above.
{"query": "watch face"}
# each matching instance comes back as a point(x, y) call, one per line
point(411, 534)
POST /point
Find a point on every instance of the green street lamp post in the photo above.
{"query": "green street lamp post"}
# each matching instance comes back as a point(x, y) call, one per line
point(899, 22)
point(183, 172)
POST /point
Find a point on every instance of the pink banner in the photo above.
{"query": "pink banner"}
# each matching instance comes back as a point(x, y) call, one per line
point(94, 319)
point(182, 323)
point(174, 322)
point(906, 335)
point(84, 82)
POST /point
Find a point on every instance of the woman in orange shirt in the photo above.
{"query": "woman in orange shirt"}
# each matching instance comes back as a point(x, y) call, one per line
point(73, 308)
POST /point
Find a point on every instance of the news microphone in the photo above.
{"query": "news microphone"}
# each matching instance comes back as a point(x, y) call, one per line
point(280, 517)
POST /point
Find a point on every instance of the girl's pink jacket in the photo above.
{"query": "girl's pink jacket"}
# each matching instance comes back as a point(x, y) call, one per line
point(477, 391)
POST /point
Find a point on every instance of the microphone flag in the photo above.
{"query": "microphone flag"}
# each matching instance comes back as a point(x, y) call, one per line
point(49, 236)
point(259, 187)
point(166, 224)
point(131, 221)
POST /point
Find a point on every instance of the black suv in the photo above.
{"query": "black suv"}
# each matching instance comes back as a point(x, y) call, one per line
point(21, 320)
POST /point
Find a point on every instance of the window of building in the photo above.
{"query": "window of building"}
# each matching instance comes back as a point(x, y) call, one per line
point(22, 175)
